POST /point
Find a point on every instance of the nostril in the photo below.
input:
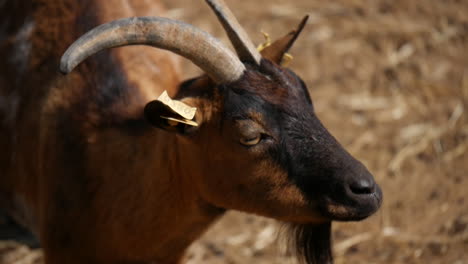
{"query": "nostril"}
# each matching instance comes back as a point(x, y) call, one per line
point(362, 186)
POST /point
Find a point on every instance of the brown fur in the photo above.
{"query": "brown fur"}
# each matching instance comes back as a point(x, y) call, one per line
point(62, 137)
point(83, 168)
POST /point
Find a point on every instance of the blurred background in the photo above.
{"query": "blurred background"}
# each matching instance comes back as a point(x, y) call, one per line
point(389, 79)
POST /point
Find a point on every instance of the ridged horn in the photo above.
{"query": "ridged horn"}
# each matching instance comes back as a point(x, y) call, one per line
point(243, 45)
point(208, 53)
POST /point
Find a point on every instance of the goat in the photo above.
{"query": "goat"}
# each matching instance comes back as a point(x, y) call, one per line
point(104, 166)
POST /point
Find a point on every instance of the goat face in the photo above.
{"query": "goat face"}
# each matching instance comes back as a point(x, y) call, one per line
point(269, 152)
point(258, 146)
point(263, 150)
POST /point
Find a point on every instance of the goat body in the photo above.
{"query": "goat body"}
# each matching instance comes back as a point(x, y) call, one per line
point(90, 167)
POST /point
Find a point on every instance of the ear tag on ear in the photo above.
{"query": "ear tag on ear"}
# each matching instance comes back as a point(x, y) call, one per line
point(267, 42)
point(186, 112)
point(175, 121)
point(178, 107)
point(287, 58)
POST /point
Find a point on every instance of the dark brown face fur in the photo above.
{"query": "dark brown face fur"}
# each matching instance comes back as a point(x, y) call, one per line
point(292, 169)
point(267, 153)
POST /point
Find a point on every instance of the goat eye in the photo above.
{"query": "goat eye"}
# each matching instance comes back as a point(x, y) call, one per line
point(251, 141)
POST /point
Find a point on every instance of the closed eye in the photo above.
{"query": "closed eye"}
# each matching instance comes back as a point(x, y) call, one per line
point(252, 141)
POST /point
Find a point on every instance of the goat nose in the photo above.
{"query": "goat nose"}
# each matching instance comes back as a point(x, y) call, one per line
point(363, 186)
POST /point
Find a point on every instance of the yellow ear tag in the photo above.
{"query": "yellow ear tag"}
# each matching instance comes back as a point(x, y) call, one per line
point(174, 121)
point(266, 43)
point(185, 111)
point(287, 58)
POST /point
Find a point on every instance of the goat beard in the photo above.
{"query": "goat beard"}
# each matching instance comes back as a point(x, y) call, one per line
point(311, 243)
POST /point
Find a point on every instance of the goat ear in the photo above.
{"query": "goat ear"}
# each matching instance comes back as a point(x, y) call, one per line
point(171, 115)
point(276, 51)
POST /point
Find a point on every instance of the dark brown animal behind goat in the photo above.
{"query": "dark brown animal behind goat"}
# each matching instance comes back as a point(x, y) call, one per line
point(104, 173)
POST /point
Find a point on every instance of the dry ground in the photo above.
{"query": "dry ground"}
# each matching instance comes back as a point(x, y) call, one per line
point(390, 81)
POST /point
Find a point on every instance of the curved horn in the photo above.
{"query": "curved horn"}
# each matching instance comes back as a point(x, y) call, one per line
point(245, 48)
point(194, 44)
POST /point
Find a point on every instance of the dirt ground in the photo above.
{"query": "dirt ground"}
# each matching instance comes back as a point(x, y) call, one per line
point(389, 78)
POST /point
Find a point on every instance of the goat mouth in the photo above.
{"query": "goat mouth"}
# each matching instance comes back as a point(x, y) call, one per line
point(352, 207)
